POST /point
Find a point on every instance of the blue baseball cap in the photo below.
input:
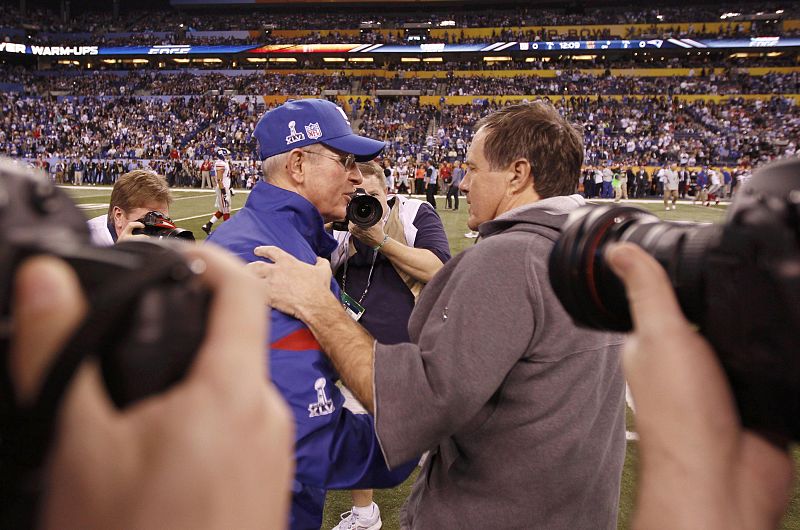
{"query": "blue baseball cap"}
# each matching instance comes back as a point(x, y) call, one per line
point(303, 122)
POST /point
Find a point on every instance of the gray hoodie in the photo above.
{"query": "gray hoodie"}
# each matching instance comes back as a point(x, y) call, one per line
point(522, 411)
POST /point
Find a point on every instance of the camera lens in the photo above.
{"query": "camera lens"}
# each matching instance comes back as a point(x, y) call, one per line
point(364, 211)
point(592, 294)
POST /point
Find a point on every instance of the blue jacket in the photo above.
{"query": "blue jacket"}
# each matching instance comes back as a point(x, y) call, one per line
point(335, 449)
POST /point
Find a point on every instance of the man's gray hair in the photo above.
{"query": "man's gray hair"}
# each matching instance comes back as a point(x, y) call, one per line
point(273, 165)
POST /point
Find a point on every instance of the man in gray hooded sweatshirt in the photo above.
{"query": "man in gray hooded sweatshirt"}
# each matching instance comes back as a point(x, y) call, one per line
point(522, 411)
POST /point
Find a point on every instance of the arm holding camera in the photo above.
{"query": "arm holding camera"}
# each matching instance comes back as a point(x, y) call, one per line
point(214, 451)
point(699, 467)
point(419, 263)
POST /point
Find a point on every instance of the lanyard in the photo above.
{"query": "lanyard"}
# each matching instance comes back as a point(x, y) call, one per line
point(369, 276)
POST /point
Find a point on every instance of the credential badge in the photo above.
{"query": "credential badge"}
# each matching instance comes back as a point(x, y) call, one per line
point(313, 131)
point(323, 406)
point(294, 136)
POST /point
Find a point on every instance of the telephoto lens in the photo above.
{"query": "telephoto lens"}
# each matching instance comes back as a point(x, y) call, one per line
point(738, 282)
point(364, 211)
point(159, 226)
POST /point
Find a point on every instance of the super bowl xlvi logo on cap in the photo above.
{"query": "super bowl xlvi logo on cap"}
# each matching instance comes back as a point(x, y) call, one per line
point(313, 131)
point(294, 136)
point(341, 111)
point(323, 406)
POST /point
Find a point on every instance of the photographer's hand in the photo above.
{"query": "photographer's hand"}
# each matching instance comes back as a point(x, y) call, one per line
point(372, 236)
point(127, 232)
point(212, 452)
point(699, 467)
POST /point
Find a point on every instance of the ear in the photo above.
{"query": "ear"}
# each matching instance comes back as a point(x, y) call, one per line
point(520, 176)
point(296, 165)
point(118, 218)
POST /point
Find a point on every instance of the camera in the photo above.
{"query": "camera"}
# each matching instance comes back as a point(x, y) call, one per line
point(158, 225)
point(738, 282)
point(146, 307)
point(364, 211)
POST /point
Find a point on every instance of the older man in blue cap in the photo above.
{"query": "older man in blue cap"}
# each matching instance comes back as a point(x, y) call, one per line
point(309, 155)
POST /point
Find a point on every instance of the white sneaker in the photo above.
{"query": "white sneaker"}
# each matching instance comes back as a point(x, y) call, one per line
point(667, 208)
point(471, 235)
point(351, 522)
point(673, 206)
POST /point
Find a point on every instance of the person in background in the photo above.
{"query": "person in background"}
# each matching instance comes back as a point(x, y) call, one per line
point(134, 194)
point(383, 269)
point(222, 175)
point(452, 190)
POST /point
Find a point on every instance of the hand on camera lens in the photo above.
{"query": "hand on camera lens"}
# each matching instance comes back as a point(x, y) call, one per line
point(372, 236)
point(212, 452)
point(699, 467)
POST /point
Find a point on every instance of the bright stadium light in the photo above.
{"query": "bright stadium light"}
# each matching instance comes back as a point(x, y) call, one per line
point(333, 59)
point(409, 59)
point(447, 23)
point(282, 60)
point(498, 58)
point(432, 60)
point(361, 60)
point(181, 61)
point(535, 59)
point(779, 12)
point(256, 59)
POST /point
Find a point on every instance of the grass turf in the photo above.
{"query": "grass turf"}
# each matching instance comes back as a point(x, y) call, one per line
point(192, 208)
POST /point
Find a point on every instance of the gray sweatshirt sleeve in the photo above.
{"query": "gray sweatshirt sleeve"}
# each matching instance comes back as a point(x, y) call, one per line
point(479, 325)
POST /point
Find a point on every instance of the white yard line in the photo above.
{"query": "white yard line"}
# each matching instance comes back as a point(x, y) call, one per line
point(209, 214)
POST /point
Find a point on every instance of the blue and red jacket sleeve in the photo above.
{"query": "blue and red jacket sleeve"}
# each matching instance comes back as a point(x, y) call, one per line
point(334, 448)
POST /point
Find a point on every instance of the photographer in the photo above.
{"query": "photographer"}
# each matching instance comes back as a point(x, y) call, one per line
point(213, 451)
point(496, 376)
point(134, 194)
point(699, 468)
point(383, 268)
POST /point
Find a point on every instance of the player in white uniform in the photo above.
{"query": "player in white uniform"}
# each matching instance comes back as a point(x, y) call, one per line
point(222, 176)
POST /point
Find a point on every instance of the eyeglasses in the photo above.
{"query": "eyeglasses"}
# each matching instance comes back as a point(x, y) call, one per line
point(348, 161)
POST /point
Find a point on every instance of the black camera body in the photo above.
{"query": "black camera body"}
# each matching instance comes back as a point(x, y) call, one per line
point(160, 226)
point(146, 309)
point(364, 211)
point(739, 282)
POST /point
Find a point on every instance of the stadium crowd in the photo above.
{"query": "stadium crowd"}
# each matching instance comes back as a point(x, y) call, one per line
point(171, 20)
point(141, 27)
point(566, 82)
point(178, 133)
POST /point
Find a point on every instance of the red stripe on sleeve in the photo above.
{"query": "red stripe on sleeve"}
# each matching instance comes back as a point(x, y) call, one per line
point(300, 340)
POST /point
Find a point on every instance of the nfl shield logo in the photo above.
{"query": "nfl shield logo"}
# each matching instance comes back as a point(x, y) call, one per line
point(313, 131)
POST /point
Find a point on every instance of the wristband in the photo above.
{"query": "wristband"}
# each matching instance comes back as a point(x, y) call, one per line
point(385, 239)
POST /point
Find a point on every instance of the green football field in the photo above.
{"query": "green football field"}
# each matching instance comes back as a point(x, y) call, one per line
point(192, 208)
